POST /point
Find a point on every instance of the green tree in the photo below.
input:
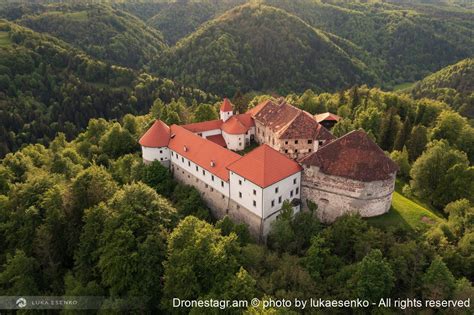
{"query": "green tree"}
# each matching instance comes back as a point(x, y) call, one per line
point(199, 260)
point(205, 112)
point(388, 129)
point(20, 275)
point(438, 282)
point(374, 277)
point(401, 158)
point(417, 142)
point(403, 135)
point(442, 174)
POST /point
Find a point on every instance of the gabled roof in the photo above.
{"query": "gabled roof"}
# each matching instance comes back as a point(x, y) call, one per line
point(254, 110)
point(207, 154)
point(353, 156)
point(303, 126)
point(226, 106)
point(326, 117)
point(238, 124)
point(157, 136)
point(264, 166)
point(204, 126)
point(276, 116)
point(217, 139)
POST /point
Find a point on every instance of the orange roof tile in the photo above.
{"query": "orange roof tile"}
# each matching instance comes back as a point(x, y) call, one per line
point(304, 126)
point(238, 124)
point(157, 136)
point(254, 110)
point(264, 166)
point(202, 151)
point(326, 116)
point(226, 106)
point(353, 156)
point(204, 126)
point(218, 139)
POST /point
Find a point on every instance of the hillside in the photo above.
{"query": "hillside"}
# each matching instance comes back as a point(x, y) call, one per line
point(256, 47)
point(46, 86)
point(105, 33)
point(179, 19)
point(412, 40)
point(453, 84)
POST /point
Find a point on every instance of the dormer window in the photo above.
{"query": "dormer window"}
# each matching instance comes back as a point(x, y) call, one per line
point(185, 148)
point(213, 163)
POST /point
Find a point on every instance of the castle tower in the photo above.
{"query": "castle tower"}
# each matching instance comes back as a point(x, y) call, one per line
point(226, 110)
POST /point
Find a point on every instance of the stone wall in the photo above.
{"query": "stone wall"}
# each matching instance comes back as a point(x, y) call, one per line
point(336, 196)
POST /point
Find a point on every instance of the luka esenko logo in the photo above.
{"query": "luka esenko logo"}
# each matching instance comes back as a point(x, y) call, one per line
point(21, 302)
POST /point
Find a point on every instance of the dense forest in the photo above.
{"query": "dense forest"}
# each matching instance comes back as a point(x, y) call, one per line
point(285, 55)
point(82, 215)
point(454, 85)
point(104, 33)
point(46, 86)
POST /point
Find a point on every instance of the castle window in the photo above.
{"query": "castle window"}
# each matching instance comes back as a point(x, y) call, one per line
point(254, 203)
point(240, 144)
point(276, 190)
point(279, 199)
point(204, 172)
point(197, 169)
point(182, 160)
point(273, 203)
point(309, 150)
point(286, 142)
point(296, 141)
point(212, 189)
point(200, 134)
point(296, 150)
point(369, 194)
point(212, 177)
point(240, 182)
point(161, 151)
point(310, 141)
point(207, 185)
point(291, 193)
point(222, 183)
point(240, 194)
point(294, 181)
point(223, 196)
point(286, 151)
point(324, 201)
point(254, 192)
point(189, 163)
point(161, 159)
point(297, 190)
point(320, 142)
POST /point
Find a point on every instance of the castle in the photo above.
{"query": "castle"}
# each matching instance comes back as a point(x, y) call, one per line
point(298, 160)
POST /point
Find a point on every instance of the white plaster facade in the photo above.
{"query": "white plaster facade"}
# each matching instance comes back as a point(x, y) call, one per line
point(225, 115)
point(234, 142)
point(152, 154)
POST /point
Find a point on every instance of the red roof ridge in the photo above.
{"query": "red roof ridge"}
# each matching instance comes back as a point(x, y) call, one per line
point(226, 106)
point(157, 136)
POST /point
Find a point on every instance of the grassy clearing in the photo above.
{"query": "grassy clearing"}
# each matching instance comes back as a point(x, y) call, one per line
point(4, 39)
point(403, 86)
point(407, 214)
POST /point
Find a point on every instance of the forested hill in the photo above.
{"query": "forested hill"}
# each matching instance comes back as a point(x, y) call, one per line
point(105, 33)
point(46, 86)
point(453, 85)
point(411, 40)
point(257, 47)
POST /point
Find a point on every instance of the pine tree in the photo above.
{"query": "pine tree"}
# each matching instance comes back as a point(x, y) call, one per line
point(402, 135)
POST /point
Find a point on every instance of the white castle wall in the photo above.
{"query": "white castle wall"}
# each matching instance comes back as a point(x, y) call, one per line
point(159, 154)
point(336, 195)
point(234, 142)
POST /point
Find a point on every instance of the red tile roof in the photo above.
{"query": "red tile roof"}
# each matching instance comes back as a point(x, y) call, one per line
point(238, 124)
point(326, 116)
point(204, 126)
point(353, 156)
point(303, 126)
point(226, 106)
point(157, 136)
point(202, 152)
point(264, 166)
point(218, 139)
point(254, 110)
